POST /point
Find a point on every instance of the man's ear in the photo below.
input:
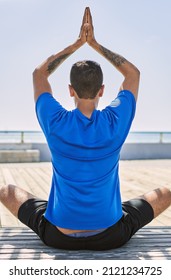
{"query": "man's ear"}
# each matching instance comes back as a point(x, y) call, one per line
point(101, 91)
point(71, 91)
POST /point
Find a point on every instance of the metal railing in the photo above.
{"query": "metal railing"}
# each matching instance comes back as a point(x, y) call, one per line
point(23, 136)
point(149, 137)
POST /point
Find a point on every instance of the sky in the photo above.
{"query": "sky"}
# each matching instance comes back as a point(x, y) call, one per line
point(31, 31)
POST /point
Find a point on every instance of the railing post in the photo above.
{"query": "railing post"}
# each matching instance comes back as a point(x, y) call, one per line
point(161, 137)
point(22, 137)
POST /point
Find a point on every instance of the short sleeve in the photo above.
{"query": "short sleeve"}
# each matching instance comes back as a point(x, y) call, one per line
point(120, 114)
point(48, 111)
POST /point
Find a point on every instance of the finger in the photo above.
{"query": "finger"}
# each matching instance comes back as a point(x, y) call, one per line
point(83, 21)
point(90, 20)
point(87, 15)
point(83, 32)
point(89, 30)
point(84, 17)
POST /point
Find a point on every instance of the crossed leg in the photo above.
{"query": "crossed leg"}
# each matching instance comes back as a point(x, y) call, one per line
point(159, 199)
point(12, 197)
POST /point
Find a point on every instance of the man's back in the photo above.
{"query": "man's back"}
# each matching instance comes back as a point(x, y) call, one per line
point(85, 153)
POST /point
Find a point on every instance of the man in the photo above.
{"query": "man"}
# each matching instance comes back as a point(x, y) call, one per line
point(84, 209)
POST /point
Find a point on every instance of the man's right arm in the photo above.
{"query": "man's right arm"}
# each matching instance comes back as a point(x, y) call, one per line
point(43, 71)
point(127, 69)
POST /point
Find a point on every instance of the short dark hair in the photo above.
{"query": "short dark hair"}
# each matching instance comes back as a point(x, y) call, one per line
point(86, 78)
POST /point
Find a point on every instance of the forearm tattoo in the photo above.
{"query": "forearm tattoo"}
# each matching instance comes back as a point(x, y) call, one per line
point(115, 59)
point(56, 62)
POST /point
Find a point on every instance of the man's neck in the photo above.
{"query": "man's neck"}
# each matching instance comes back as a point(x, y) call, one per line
point(86, 106)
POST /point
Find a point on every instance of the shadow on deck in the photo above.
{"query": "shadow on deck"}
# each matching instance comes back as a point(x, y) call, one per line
point(149, 243)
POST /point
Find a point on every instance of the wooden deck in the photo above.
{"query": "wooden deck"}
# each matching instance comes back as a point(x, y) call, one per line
point(149, 243)
point(153, 242)
point(137, 177)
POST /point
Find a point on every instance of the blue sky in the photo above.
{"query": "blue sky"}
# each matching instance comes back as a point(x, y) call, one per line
point(33, 30)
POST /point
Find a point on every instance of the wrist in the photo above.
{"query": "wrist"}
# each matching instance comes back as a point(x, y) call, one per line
point(78, 44)
point(93, 43)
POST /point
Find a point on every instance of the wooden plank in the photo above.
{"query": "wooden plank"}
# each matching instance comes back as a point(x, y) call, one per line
point(24, 255)
point(153, 243)
point(137, 177)
point(36, 246)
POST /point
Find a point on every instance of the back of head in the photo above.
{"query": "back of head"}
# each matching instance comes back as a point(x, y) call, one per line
point(86, 78)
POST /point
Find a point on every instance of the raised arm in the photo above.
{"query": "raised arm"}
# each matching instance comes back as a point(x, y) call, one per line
point(127, 69)
point(43, 71)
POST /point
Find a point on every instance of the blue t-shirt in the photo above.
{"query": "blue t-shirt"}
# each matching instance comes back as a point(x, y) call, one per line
point(85, 190)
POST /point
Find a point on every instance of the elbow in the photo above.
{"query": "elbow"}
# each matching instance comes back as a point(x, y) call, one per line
point(135, 74)
point(136, 71)
point(131, 71)
point(36, 72)
point(138, 75)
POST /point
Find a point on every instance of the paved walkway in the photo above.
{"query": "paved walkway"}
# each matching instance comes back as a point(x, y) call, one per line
point(137, 177)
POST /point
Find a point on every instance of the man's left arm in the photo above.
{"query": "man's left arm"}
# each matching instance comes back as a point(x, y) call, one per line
point(42, 72)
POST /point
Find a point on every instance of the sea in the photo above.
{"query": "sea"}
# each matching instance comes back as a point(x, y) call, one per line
point(38, 137)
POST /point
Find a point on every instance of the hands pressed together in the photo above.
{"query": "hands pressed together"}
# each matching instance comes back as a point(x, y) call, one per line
point(86, 35)
point(87, 29)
